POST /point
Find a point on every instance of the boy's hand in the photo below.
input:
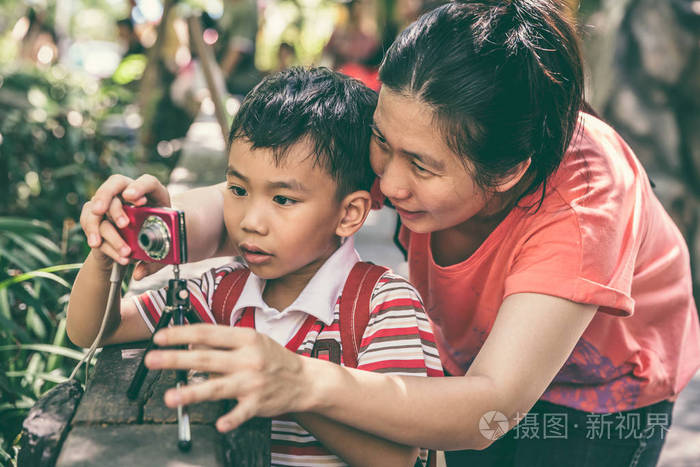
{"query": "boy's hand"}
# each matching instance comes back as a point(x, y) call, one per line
point(263, 376)
point(104, 211)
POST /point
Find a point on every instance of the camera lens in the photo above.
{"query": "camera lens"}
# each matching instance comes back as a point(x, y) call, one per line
point(154, 238)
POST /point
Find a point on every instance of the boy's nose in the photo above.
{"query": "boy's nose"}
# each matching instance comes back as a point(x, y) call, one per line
point(253, 221)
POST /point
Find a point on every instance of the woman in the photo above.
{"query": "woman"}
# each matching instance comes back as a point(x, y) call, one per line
point(556, 283)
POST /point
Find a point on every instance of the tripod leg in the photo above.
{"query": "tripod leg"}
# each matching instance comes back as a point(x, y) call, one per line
point(184, 437)
point(142, 371)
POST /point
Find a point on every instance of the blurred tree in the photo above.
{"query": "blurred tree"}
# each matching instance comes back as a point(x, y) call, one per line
point(644, 67)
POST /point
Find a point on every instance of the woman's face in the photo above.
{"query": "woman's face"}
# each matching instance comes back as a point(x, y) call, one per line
point(426, 182)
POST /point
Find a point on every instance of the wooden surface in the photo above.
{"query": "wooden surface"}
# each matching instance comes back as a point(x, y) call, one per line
point(110, 429)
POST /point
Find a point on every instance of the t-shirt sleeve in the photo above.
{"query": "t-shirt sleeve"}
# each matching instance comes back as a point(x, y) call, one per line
point(398, 338)
point(563, 257)
point(151, 303)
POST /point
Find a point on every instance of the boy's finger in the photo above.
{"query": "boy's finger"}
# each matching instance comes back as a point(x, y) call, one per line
point(112, 253)
point(142, 269)
point(114, 242)
point(212, 335)
point(91, 225)
point(110, 189)
point(147, 186)
point(117, 214)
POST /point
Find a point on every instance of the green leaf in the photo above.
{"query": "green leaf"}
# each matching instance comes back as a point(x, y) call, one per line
point(16, 260)
point(4, 456)
point(47, 348)
point(22, 225)
point(16, 330)
point(58, 340)
point(29, 248)
point(46, 243)
point(42, 375)
point(45, 273)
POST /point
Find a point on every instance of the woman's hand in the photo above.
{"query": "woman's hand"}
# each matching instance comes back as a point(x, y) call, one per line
point(263, 376)
point(104, 211)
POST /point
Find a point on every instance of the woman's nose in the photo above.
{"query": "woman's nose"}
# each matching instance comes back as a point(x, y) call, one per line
point(393, 181)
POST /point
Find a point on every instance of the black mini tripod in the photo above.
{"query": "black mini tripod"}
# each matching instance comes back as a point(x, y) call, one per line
point(177, 309)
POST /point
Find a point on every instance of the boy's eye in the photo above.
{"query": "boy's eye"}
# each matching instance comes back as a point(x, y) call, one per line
point(236, 190)
point(283, 200)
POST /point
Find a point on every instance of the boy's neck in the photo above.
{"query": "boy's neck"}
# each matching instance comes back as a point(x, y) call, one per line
point(281, 292)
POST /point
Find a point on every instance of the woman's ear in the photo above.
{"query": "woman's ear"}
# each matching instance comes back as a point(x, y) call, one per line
point(511, 180)
point(354, 210)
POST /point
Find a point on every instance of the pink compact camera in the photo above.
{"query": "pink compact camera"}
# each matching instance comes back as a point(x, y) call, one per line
point(156, 235)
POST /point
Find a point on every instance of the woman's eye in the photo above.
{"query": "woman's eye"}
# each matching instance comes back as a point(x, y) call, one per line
point(283, 200)
point(380, 141)
point(236, 190)
point(420, 169)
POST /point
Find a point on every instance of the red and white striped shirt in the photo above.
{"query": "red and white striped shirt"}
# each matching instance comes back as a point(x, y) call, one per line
point(398, 338)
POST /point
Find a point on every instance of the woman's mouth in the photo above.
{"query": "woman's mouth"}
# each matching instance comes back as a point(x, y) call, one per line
point(408, 215)
point(254, 254)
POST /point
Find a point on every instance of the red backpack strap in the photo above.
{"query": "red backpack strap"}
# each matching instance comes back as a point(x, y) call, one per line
point(227, 293)
point(354, 308)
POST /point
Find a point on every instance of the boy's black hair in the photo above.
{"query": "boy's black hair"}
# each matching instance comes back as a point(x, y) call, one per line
point(333, 111)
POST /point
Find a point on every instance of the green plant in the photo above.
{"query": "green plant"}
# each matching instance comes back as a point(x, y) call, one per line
point(54, 145)
point(34, 351)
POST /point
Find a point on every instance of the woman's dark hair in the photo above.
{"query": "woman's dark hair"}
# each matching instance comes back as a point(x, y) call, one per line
point(333, 111)
point(505, 80)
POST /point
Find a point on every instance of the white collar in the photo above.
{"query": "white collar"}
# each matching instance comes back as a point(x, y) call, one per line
point(319, 296)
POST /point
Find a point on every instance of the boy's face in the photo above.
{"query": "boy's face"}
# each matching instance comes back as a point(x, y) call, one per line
point(283, 219)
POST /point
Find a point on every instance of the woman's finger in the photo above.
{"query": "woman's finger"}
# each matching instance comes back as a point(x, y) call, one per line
point(226, 387)
point(207, 334)
point(214, 361)
point(241, 413)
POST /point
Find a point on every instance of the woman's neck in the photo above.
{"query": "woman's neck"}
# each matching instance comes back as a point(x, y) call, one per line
point(456, 244)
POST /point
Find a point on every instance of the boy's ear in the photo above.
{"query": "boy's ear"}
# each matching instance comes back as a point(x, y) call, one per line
point(354, 210)
point(511, 180)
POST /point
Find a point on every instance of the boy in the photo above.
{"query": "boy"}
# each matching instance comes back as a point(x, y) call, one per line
point(298, 178)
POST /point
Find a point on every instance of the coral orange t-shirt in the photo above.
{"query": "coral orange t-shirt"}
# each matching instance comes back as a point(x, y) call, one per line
point(600, 237)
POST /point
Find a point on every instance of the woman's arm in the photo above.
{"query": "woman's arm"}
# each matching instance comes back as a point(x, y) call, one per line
point(530, 341)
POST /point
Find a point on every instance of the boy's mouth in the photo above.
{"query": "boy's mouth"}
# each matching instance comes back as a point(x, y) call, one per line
point(254, 254)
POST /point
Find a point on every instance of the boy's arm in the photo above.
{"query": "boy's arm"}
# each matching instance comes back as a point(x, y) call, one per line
point(355, 447)
point(87, 304)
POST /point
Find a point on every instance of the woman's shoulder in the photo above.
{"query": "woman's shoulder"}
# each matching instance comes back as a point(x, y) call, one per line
point(599, 170)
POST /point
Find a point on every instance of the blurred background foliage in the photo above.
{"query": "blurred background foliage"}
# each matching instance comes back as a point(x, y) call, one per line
point(94, 87)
